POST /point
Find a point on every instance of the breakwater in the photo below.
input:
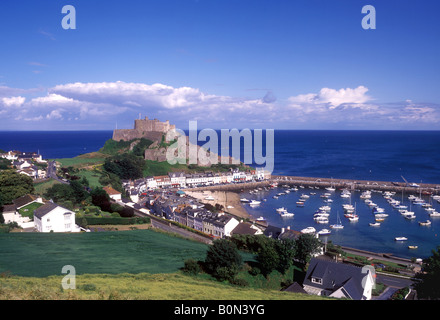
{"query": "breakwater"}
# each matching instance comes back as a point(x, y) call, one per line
point(322, 183)
point(423, 188)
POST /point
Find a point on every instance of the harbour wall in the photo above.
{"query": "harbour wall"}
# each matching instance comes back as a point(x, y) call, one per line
point(326, 182)
point(356, 184)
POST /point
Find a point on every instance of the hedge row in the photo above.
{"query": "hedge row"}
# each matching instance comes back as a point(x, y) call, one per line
point(85, 221)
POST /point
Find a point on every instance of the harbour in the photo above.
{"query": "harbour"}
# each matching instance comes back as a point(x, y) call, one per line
point(380, 227)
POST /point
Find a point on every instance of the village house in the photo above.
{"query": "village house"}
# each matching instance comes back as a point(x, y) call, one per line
point(54, 218)
point(163, 181)
point(338, 280)
point(177, 179)
point(113, 194)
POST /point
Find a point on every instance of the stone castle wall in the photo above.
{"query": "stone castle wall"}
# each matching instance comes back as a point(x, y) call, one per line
point(153, 125)
point(144, 128)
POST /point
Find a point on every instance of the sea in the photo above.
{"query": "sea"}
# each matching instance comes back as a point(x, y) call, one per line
point(395, 156)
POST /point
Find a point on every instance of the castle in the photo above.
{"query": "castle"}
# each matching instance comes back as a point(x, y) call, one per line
point(144, 128)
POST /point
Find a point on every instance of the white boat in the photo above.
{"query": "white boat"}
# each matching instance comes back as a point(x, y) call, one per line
point(400, 238)
point(209, 198)
point(261, 219)
point(434, 214)
point(325, 208)
point(426, 223)
point(254, 203)
point(410, 216)
point(330, 189)
point(381, 215)
point(275, 197)
point(338, 224)
point(374, 224)
point(286, 214)
point(282, 209)
point(324, 232)
point(308, 230)
point(354, 218)
point(244, 200)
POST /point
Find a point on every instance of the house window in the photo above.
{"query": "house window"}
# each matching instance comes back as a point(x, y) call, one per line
point(67, 226)
point(316, 280)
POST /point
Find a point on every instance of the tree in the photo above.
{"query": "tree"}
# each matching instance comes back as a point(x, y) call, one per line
point(268, 258)
point(125, 166)
point(13, 185)
point(307, 245)
point(78, 192)
point(60, 192)
point(223, 260)
point(286, 249)
point(101, 199)
point(429, 285)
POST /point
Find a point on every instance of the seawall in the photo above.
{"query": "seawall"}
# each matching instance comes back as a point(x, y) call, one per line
point(356, 184)
point(326, 182)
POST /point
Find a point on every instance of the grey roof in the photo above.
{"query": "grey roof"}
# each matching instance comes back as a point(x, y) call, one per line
point(44, 209)
point(8, 208)
point(336, 276)
point(24, 200)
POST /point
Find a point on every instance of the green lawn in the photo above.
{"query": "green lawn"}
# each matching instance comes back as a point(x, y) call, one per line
point(44, 254)
point(80, 161)
point(28, 211)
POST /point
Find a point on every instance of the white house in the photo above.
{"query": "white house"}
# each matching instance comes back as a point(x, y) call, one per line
point(178, 179)
point(339, 280)
point(54, 218)
point(151, 183)
point(112, 193)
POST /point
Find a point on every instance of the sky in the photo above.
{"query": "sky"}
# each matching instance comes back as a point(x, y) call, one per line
point(268, 64)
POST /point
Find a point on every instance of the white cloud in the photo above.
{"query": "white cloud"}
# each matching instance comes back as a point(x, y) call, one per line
point(108, 102)
point(13, 101)
point(332, 97)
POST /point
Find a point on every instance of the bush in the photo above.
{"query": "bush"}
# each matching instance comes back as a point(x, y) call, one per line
point(239, 282)
point(191, 267)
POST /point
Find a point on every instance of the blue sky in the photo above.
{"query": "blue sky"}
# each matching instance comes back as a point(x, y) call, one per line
point(304, 64)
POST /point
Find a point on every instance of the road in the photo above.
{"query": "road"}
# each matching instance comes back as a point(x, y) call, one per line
point(52, 172)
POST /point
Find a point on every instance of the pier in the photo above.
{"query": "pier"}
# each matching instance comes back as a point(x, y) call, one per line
point(322, 183)
point(423, 188)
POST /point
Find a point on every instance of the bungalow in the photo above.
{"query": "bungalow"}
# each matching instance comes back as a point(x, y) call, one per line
point(112, 193)
point(54, 218)
point(338, 280)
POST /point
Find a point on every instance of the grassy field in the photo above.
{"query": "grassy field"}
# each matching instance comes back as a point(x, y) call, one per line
point(137, 251)
point(138, 264)
point(82, 161)
point(41, 188)
point(143, 286)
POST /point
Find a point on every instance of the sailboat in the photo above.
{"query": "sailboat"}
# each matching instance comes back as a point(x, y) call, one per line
point(338, 224)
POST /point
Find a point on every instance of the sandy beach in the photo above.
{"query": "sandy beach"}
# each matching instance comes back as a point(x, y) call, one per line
point(229, 200)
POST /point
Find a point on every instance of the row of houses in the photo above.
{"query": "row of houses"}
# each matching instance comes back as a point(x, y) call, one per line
point(24, 163)
point(188, 180)
point(189, 212)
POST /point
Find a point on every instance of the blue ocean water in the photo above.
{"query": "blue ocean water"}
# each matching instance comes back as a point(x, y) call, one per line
point(54, 144)
point(368, 155)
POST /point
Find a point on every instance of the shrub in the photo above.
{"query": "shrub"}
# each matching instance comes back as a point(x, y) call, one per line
point(191, 267)
point(239, 282)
